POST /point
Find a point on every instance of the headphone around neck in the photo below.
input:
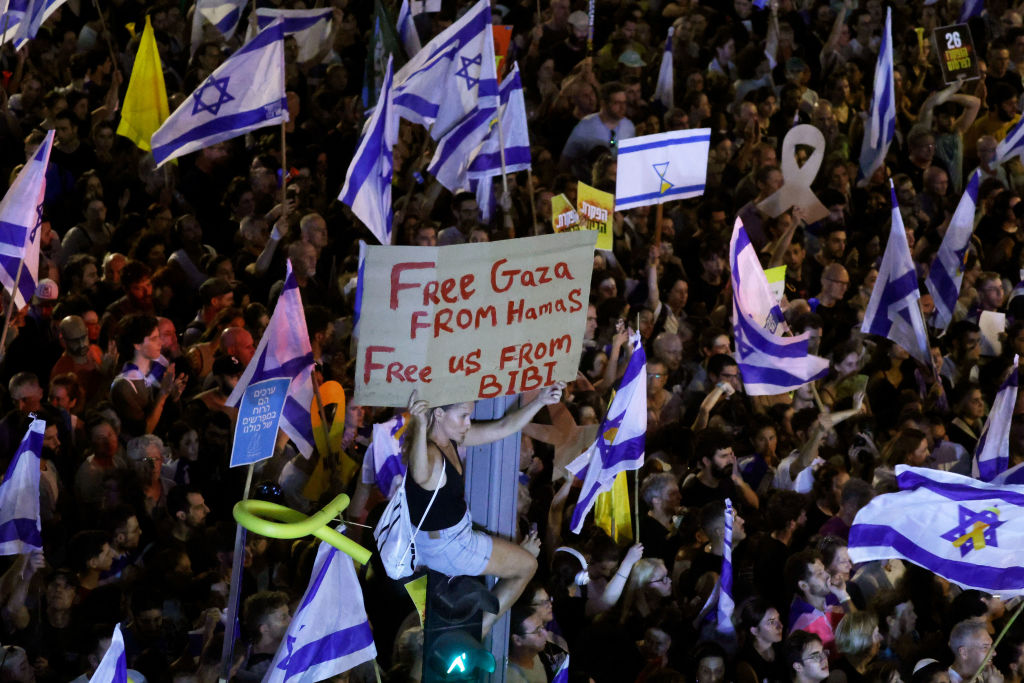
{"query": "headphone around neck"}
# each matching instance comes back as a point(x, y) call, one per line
point(582, 577)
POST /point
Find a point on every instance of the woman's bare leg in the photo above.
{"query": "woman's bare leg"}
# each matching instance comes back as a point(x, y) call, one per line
point(514, 568)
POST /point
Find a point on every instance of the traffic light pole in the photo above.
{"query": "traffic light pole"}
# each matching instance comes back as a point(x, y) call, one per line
point(492, 475)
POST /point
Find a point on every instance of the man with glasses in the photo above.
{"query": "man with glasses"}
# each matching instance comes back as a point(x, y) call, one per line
point(970, 642)
point(837, 316)
point(805, 657)
point(527, 640)
point(603, 129)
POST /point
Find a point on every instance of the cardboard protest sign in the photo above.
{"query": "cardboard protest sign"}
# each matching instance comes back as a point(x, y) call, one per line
point(596, 210)
point(258, 416)
point(957, 57)
point(796, 191)
point(472, 321)
point(563, 215)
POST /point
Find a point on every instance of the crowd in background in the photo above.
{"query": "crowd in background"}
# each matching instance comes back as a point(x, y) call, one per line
point(155, 286)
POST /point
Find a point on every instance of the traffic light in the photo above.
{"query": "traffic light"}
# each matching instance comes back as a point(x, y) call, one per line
point(452, 650)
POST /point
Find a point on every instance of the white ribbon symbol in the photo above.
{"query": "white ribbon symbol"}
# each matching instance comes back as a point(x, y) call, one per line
point(797, 188)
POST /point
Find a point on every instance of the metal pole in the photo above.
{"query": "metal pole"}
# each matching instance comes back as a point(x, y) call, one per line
point(238, 559)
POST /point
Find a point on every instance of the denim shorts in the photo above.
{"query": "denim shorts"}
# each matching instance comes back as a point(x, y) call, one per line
point(455, 551)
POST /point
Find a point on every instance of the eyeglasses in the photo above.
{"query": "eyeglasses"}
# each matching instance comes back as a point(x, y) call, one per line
point(845, 283)
point(539, 603)
point(818, 656)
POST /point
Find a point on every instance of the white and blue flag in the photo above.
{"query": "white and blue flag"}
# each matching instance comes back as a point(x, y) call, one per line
point(726, 605)
point(36, 12)
point(311, 27)
point(329, 633)
point(284, 351)
point(20, 529)
point(113, 668)
point(664, 91)
point(660, 168)
point(947, 269)
point(21, 216)
point(451, 76)
point(562, 675)
point(385, 455)
point(1012, 145)
point(967, 531)
point(367, 188)
point(223, 15)
point(472, 149)
point(992, 455)
point(881, 123)
point(246, 92)
point(970, 9)
point(769, 363)
point(893, 311)
point(407, 31)
point(13, 19)
point(620, 442)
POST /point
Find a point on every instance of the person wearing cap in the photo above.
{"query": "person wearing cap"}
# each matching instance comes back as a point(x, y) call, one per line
point(573, 49)
point(216, 295)
point(603, 129)
point(36, 347)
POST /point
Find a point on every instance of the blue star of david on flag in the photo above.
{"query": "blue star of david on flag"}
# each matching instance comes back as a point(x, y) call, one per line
point(39, 222)
point(661, 169)
point(464, 71)
point(223, 97)
point(975, 531)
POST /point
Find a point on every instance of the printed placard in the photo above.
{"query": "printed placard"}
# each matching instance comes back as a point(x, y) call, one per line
point(471, 321)
point(957, 57)
point(596, 211)
point(258, 416)
point(563, 215)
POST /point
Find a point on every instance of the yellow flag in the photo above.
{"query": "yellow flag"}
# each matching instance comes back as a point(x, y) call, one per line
point(145, 104)
point(612, 511)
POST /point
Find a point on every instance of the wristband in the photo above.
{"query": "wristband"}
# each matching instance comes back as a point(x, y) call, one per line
point(275, 234)
point(842, 597)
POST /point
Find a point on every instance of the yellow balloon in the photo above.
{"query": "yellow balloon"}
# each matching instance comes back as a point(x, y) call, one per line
point(289, 523)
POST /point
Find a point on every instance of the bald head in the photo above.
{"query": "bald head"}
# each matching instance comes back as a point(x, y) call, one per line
point(237, 342)
point(75, 336)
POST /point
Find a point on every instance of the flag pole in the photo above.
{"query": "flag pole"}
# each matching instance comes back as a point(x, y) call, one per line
point(10, 308)
point(235, 587)
point(103, 27)
point(995, 643)
point(636, 505)
point(659, 214)
point(533, 200)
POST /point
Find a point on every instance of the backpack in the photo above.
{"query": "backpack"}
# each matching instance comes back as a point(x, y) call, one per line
point(394, 534)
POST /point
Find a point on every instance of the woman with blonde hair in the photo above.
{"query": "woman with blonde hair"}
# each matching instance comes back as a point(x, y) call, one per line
point(858, 640)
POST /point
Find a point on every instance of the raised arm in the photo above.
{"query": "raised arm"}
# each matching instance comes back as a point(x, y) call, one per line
point(486, 432)
point(419, 464)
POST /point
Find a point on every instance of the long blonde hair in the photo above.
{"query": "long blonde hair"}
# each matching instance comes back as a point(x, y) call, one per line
point(640, 576)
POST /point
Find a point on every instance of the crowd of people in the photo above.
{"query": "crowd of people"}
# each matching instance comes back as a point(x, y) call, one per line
point(155, 286)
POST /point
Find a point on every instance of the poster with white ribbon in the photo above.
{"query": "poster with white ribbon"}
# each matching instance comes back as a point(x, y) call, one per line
point(796, 190)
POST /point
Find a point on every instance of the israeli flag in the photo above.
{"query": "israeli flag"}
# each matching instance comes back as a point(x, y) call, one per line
point(407, 30)
point(311, 27)
point(329, 633)
point(113, 667)
point(20, 529)
point(769, 363)
point(367, 188)
point(947, 269)
point(472, 150)
point(967, 531)
point(660, 168)
point(21, 215)
point(284, 351)
point(881, 123)
point(726, 605)
point(971, 8)
point(664, 90)
point(562, 675)
point(1012, 145)
point(13, 20)
point(620, 442)
point(992, 455)
point(893, 311)
point(385, 452)
point(246, 92)
point(223, 15)
point(451, 76)
point(37, 12)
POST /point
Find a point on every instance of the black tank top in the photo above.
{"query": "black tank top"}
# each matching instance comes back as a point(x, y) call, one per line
point(450, 505)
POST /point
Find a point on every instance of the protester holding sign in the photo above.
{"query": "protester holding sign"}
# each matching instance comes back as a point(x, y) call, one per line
point(447, 542)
